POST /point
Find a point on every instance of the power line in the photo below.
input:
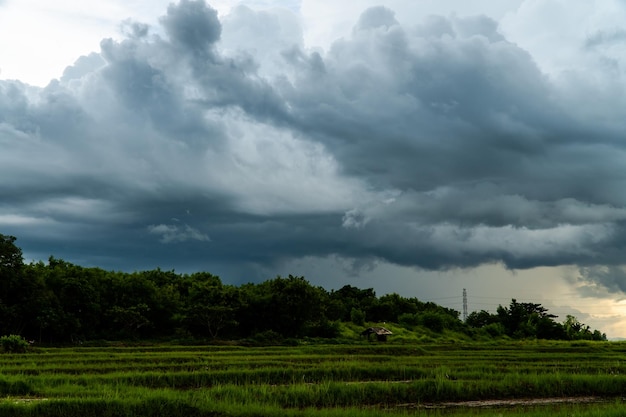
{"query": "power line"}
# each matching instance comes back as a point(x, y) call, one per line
point(443, 298)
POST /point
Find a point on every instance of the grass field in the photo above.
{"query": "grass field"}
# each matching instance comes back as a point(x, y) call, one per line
point(358, 379)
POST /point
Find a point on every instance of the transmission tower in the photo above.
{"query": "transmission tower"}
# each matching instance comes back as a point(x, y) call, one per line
point(464, 305)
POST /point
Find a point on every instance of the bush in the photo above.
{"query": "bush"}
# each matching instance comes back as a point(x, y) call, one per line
point(495, 329)
point(325, 328)
point(13, 344)
point(433, 321)
point(409, 320)
point(357, 316)
point(265, 338)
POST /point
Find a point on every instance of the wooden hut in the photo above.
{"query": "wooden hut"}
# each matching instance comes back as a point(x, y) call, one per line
point(380, 332)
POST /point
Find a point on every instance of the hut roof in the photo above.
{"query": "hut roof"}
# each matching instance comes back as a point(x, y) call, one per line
point(376, 330)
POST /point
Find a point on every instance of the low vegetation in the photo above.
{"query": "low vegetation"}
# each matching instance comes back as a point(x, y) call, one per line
point(357, 379)
point(13, 344)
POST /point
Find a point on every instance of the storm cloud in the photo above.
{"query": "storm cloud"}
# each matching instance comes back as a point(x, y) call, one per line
point(226, 144)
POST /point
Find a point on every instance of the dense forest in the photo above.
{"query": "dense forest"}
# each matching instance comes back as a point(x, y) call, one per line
point(60, 302)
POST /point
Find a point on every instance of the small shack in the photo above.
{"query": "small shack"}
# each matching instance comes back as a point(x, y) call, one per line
point(380, 332)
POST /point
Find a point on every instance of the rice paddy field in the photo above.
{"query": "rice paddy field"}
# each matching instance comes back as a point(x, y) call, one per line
point(358, 379)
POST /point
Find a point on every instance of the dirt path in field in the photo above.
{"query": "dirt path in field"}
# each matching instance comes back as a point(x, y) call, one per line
point(507, 403)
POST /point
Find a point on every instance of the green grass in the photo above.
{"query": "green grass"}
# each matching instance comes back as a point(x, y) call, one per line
point(358, 379)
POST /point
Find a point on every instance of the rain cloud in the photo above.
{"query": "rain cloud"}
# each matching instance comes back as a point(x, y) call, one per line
point(203, 142)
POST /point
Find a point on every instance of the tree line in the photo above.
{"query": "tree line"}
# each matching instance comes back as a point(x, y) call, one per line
point(60, 302)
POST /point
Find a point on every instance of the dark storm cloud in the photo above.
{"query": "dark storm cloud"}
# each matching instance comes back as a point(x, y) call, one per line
point(594, 280)
point(192, 25)
point(435, 111)
point(436, 146)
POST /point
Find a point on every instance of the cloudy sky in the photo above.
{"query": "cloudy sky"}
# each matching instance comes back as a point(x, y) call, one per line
point(412, 146)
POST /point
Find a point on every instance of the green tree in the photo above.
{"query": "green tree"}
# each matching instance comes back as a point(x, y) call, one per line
point(390, 307)
point(11, 260)
point(211, 306)
point(44, 312)
point(349, 297)
point(547, 328)
point(575, 330)
point(77, 303)
point(289, 306)
point(520, 319)
point(164, 298)
point(433, 321)
point(295, 305)
point(128, 304)
point(357, 316)
point(479, 319)
point(129, 320)
point(13, 291)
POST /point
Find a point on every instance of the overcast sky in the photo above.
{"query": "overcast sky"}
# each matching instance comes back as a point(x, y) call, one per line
point(412, 146)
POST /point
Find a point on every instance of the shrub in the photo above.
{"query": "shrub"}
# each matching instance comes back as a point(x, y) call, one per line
point(408, 319)
point(13, 344)
point(495, 329)
point(433, 321)
point(357, 316)
point(325, 328)
point(265, 338)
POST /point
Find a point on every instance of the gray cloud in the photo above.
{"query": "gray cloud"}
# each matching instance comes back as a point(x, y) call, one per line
point(596, 280)
point(177, 233)
point(601, 38)
point(83, 67)
point(436, 146)
point(375, 18)
point(192, 24)
point(432, 100)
